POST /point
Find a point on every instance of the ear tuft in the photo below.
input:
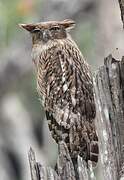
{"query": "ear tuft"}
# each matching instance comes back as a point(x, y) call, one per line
point(68, 24)
point(28, 27)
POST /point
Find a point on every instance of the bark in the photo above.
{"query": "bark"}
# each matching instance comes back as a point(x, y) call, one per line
point(109, 97)
point(65, 169)
point(121, 3)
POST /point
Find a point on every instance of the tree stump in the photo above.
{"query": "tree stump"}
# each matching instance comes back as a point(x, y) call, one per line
point(109, 97)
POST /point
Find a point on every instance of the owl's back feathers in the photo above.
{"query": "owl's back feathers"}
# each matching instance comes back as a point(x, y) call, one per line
point(65, 82)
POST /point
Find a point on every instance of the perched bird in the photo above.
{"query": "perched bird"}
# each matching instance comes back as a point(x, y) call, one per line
point(64, 82)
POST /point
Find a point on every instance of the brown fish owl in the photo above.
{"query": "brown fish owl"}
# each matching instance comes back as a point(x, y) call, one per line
point(64, 82)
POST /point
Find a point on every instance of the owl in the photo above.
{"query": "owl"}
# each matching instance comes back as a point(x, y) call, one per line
point(65, 86)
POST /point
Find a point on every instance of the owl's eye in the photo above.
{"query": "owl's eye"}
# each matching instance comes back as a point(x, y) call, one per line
point(55, 28)
point(36, 31)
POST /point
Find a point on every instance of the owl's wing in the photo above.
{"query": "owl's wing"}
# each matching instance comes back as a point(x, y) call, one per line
point(69, 89)
point(65, 83)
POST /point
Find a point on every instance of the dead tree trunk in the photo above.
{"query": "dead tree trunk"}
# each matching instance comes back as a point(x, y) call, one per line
point(109, 98)
point(65, 169)
point(121, 3)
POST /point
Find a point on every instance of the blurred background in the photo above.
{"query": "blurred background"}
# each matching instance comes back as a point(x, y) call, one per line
point(98, 33)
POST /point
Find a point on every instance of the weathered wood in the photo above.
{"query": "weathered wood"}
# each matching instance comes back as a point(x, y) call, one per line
point(64, 167)
point(121, 3)
point(38, 171)
point(82, 169)
point(84, 172)
point(110, 116)
point(33, 165)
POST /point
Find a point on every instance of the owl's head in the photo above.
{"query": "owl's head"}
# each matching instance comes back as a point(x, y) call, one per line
point(50, 30)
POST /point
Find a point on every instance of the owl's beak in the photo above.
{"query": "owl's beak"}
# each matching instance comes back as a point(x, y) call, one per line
point(28, 27)
point(45, 35)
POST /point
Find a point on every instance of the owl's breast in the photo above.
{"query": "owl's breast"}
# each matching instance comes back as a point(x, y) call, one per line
point(35, 54)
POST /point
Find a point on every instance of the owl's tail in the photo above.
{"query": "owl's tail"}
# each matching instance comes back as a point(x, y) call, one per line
point(75, 164)
point(94, 152)
point(93, 157)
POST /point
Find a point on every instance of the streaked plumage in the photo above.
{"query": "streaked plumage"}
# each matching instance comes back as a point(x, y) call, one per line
point(64, 83)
